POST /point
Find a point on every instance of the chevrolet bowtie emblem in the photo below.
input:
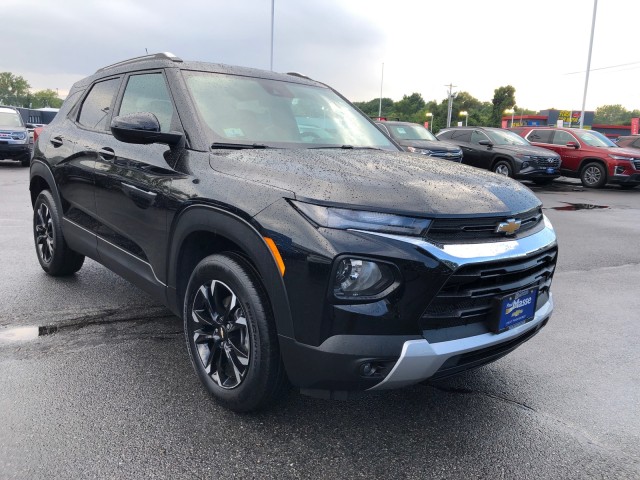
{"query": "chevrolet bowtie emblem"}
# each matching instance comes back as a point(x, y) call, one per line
point(508, 227)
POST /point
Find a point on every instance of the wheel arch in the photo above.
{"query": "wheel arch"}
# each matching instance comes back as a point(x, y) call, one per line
point(500, 157)
point(41, 178)
point(585, 161)
point(202, 230)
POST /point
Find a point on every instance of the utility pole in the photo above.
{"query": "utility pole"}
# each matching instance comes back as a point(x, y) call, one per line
point(450, 107)
point(586, 80)
point(380, 104)
point(272, 17)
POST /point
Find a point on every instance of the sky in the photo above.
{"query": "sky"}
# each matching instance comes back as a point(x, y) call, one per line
point(540, 47)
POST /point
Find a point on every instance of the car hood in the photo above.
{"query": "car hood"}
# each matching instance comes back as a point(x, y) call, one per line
point(430, 145)
point(391, 181)
point(13, 129)
point(526, 150)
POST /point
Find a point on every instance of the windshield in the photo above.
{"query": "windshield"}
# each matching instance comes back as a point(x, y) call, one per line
point(594, 139)
point(247, 110)
point(10, 119)
point(505, 137)
point(410, 132)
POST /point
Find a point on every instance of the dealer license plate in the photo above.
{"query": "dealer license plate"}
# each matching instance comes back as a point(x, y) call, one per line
point(551, 170)
point(514, 309)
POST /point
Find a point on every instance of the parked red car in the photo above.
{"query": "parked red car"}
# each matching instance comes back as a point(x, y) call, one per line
point(587, 155)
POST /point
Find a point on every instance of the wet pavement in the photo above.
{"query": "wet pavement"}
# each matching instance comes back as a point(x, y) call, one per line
point(95, 381)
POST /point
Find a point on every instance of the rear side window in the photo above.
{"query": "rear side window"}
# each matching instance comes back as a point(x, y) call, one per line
point(148, 93)
point(95, 108)
point(540, 136)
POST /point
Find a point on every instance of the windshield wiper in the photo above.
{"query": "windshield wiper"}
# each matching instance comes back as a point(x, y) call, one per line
point(344, 147)
point(238, 146)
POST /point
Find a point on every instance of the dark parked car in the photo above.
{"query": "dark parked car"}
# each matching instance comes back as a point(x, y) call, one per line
point(629, 141)
point(588, 155)
point(413, 137)
point(14, 138)
point(504, 152)
point(295, 240)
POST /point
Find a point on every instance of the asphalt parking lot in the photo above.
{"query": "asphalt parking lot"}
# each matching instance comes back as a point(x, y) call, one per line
point(95, 380)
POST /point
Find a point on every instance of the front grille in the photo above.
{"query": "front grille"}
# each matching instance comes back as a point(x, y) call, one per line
point(467, 296)
point(447, 155)
point(544, 162)
point(458, 230)
point(636, 163)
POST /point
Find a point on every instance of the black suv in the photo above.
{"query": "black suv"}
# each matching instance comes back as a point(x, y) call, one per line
point(414, 138)
point(295, 240)
point(504, 152)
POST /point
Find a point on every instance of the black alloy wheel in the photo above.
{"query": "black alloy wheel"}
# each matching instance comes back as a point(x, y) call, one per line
point(54, 255)
point(593, 175)
point(220, 334)
point(231, 334)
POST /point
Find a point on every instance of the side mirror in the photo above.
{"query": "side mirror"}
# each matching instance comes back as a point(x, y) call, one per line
point(142, 128)
point(30, 126)
point(573, 144)
point(486, 143)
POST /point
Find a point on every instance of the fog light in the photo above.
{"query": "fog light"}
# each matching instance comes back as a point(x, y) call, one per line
point(525, 164)
point(619, 170)
point(367, 369)
point(355, 277)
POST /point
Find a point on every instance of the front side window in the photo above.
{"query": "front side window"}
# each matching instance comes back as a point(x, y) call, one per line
point(247, 110)
point(95, 108)
point(562, 138)
point(148, 93)
point(476, 137)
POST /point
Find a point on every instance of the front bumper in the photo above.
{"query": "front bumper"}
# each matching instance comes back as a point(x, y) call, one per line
point(15, 151)
point(633, 179)
point(421, 360)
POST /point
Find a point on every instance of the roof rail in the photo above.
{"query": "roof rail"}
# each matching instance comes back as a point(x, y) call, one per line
point(296, 74)
point(154, 56)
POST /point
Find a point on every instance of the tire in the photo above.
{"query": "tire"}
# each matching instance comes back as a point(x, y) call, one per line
point(502, 167)
point(593, 175)
point(231, 334)
point(54, 255)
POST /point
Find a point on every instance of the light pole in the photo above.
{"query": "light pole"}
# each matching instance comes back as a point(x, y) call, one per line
point(430, 115)
point(511, 111)
point(273, 7)
point(586, 78)
point(466, 117)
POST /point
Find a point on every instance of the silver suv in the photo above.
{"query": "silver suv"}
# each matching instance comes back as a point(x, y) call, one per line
point(14, 137)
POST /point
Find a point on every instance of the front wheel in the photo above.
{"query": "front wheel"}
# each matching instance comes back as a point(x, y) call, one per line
point(231, 335)
point(502, 167)
point(593, 175)
point(54, 255)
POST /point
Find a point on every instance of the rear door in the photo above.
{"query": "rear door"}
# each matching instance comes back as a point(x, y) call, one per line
point(132, 187)
point(570, 155)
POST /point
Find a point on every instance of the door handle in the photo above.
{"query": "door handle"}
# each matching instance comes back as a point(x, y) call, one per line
point(142, 198)
point(56, 142)
point(107, 153)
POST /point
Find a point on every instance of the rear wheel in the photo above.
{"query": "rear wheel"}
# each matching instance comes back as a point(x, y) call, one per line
point(54, 255)
point(231, 334)
point(593, 175)
point(502, 167)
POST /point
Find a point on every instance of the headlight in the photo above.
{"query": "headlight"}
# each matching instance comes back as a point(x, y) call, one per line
point(419, 150)
point(362, 279)
point(619, 157)
point(547, 222)
point(523, 157)
point(19, 136)
point(343, 219)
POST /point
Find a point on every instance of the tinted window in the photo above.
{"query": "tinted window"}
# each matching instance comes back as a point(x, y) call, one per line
point(410, 132)
point(95, 108)
point(540, 136)
point(476, 137)
point(562, 138)
point(461, 136)
point(148, 93)
point(445, 135)
point(636, 143)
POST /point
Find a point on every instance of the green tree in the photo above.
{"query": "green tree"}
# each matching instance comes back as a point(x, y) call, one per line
point(371, 107)
point(45, 98)
point(409, 108)
point(503, 98)
point(612, 115)
point(14, 90)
